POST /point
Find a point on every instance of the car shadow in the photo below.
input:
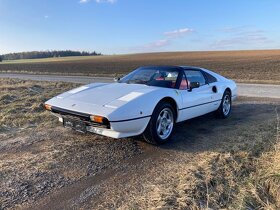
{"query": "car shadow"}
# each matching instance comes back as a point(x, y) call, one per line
point(247, 122)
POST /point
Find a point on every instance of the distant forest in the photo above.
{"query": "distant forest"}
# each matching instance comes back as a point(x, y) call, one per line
point(45, 54)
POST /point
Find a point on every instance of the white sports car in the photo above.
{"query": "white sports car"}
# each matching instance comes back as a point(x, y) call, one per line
point(148, 101)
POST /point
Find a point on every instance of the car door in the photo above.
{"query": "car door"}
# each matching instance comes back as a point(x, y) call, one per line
point(196, 101)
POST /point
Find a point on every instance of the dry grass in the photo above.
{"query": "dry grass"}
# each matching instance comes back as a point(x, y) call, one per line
point(21, 103)
point(237, 179)
point(243, 66)
point(36, 154)
point(263, 188)
point(214, 164)
point(233, 164)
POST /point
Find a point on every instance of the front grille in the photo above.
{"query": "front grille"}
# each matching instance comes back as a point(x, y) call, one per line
point(80, 116)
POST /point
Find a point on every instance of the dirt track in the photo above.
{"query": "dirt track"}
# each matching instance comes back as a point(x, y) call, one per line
point(144, 176)
point(44, 166)
point(249, 90)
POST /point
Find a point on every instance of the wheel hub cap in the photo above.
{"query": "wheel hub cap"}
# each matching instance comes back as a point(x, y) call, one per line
point(226, 105)
point(165, 123)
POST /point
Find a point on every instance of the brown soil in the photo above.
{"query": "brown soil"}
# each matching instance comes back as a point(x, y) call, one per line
point(259, 66)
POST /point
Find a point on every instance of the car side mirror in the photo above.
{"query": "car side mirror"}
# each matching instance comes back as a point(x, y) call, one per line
point(116, 79)
point(194, 85)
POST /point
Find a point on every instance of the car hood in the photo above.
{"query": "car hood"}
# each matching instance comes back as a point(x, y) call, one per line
point(99, 98)
point(105, 93)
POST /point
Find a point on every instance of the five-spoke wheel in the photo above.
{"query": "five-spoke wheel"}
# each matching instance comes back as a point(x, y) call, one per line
point(165, 122)
point(225, 107)
point(160, 127)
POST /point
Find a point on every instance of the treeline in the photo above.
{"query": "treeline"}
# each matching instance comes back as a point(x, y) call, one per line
point(46, 54)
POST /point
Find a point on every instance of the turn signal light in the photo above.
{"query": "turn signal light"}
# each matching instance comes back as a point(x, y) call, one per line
point(97, 119)
point(48, 107)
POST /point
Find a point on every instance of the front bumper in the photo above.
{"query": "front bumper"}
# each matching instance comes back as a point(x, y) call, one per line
point(77, 116)
point(117, 129)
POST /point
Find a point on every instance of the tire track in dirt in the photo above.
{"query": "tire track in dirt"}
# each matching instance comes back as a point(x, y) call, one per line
point(63, 197)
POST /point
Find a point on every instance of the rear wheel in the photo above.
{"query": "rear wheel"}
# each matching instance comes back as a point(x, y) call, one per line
point(225, 107)
point(160, 127)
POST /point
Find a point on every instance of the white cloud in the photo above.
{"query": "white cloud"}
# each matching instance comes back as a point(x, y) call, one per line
point(106, 1)
point(152, 46)
point(178, 33)
point(233, 29)
point(239, 37)
point(46, 16)
point(84, 1)
point(169, 37)
point(157, 44)
point(98, 1)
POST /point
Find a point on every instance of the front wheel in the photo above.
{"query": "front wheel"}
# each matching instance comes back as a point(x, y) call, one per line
point(160, 127)
point(225, 107)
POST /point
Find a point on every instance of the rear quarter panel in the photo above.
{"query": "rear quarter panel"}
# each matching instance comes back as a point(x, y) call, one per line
point(224, 83)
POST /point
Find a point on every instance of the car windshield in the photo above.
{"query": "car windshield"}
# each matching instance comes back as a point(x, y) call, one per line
point(152, 77)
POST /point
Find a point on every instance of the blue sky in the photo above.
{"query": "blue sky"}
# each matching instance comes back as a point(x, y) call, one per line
point(132, 26)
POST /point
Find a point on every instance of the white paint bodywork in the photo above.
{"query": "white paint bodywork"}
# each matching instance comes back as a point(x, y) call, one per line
point(129, 107)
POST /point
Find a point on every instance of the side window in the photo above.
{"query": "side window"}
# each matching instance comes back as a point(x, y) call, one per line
point(195, 76)
point(210, 78)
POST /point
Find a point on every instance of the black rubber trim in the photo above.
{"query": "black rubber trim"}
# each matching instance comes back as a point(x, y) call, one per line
point(66, 111)
point(87, 116)
point(131, 119)
point(199, 105)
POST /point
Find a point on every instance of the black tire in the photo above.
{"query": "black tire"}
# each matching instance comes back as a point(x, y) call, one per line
point(151, 134)
point(223, 112)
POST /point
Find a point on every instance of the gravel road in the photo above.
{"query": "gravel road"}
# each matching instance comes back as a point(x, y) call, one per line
point(248, 90)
